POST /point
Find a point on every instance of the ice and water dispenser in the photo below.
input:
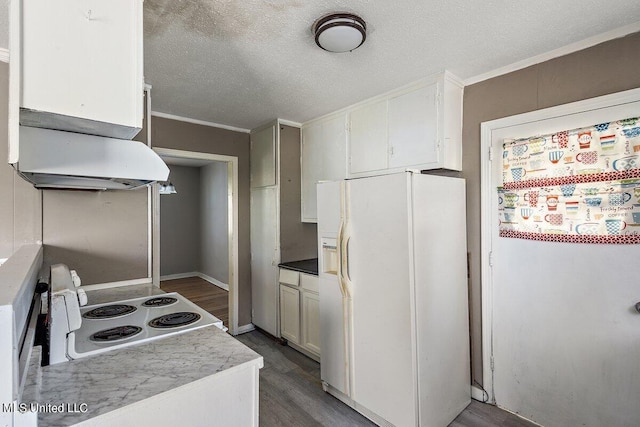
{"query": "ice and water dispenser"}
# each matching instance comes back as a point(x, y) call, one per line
point(329, 263)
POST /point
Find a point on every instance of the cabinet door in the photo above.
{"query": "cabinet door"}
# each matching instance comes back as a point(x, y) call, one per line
point(311, 322)
point(263, 157)
point(413, 128)
point(368, 149)
point(264, 259)
point(290, 314)
point(83, 59)
point(323, 159)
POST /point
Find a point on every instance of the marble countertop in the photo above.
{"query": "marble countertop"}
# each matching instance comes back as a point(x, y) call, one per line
point(111, 380)
point(309, 266)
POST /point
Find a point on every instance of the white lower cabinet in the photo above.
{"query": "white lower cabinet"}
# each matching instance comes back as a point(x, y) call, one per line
point(311, 321)
point(300, 312)
point(290, 313)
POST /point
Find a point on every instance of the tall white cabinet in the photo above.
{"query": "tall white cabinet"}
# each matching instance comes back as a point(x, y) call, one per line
point(277, 234)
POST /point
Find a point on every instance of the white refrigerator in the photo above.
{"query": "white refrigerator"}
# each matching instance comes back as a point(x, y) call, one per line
point(393, 297)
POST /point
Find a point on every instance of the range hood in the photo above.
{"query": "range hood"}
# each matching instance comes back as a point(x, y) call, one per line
point(66, 160)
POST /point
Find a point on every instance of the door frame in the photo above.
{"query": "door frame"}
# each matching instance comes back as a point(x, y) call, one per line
point(486, 130)
point(232, 215)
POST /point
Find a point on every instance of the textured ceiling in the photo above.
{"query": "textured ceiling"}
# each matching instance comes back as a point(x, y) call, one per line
point(244, 62)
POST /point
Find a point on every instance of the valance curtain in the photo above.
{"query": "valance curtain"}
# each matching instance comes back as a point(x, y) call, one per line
point(580, 185)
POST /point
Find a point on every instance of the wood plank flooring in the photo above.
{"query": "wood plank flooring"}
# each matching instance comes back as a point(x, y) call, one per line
point(206, 295)
point(291, 394)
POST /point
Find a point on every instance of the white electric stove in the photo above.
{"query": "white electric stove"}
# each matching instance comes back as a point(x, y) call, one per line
point(78, 331)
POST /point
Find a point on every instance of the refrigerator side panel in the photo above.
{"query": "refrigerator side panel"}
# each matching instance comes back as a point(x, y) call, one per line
point(378, 267)
point(439, 229)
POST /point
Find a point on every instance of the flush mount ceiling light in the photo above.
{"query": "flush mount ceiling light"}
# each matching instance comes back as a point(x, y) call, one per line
point(167, 188)
point(340, 32)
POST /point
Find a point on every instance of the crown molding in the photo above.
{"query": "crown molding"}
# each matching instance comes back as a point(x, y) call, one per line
point(556, 53)
point(4, 54)
point(198, 122)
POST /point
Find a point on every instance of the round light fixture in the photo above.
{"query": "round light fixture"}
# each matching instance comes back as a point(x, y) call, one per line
point(340, 32)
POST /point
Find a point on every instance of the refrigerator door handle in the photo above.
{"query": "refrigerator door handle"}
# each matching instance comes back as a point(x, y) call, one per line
point(344, 262)
point(339, 254)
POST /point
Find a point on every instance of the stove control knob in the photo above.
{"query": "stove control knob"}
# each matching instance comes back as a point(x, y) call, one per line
point(82, 297)
point(75, 279)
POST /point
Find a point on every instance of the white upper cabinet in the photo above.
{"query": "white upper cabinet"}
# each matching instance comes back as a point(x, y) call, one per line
point(323, 155)
point(419, 127)
point(368, 138)
point(413, 128)
point(82, 66)
point(263, 157)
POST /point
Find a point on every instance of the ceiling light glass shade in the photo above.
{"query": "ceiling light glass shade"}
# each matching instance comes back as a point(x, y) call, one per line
point(340, 32)
point(167, 188)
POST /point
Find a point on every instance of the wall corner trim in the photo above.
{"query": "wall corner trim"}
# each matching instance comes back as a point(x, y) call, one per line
point(214, 281)
point(556, 53)
point(4, 55)
point(198, 122)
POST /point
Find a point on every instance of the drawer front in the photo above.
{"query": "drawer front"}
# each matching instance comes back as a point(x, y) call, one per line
point(289, 277)
point(309, 282)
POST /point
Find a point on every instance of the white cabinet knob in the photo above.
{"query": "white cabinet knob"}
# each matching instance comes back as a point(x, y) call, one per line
point(75, 279)
point(82, 297)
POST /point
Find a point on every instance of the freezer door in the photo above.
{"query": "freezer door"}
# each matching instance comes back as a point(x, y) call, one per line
point(334, 367)
point(378, 242)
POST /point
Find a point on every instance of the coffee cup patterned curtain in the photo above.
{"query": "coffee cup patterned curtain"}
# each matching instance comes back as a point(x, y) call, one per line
point(579, 186)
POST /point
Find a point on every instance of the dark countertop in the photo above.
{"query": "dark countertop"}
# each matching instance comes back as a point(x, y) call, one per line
point(308, 266)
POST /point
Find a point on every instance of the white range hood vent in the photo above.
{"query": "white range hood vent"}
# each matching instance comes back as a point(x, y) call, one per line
point(66, 160)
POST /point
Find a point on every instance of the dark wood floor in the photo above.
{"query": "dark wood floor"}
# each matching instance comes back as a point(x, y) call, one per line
point(206, 295)
point(291, 394)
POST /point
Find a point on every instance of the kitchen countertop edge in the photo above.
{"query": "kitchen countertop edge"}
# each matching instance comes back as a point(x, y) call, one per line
point(307, 266)
point(112, 380)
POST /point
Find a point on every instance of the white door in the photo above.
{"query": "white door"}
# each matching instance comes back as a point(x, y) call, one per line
point(264, 259)
point(565, 334)
point(333, 309)
point(378, 251)
point(290, 314)
point(413, 128)
point(368, 138)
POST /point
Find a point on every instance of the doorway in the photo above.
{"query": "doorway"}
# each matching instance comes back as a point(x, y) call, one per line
point(211, 165)
point(561, 338)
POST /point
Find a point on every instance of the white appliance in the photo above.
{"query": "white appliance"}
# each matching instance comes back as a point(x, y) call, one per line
point(393, 297)
point(67, 160)
point(77, 332)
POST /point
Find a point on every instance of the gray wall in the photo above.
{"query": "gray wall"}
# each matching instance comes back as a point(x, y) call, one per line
point(101, 234)
point(21, 204)
point(297, 240)
point(180, 222)
point(603, 69)
point(214, 224)
point(167, 133)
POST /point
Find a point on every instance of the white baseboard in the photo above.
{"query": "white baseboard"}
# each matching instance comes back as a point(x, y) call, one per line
point(203, 276)
point(214, 281)
point(245, 328)
point(180, 275)
point(478, 394)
